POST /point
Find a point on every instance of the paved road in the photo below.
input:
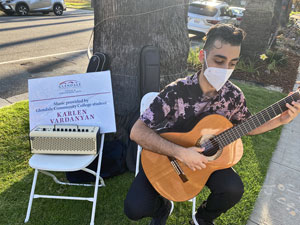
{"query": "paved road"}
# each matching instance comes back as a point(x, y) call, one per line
point(44, 45)
point(40, 46)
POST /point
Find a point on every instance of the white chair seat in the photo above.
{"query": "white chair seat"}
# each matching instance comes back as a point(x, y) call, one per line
point(63, 163)
point(60, 162)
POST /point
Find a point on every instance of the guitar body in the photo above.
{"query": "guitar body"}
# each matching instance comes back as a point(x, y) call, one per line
point(162, 174)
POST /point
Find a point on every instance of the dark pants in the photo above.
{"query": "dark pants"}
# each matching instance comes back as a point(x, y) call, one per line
point(226, 190)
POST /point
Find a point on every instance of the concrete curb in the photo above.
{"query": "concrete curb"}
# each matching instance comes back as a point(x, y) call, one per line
point(4, 102)
point(13, 99)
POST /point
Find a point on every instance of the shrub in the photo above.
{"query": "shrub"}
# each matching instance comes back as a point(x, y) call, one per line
point(193, 59)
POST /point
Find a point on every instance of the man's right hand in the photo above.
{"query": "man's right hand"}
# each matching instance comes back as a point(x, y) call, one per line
point(191, 157)
point(154, 142)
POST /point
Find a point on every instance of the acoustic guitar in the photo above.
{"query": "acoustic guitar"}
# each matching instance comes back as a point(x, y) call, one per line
point(223, 146)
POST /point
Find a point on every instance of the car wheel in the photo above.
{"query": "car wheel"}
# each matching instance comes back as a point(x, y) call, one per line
point(22, 9)
point(58, 10)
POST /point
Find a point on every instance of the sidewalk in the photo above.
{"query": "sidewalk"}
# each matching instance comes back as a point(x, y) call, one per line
point(278, 202)
point(13, 99)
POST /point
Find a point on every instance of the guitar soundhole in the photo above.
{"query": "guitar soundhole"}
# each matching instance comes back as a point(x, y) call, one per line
point(211, 147)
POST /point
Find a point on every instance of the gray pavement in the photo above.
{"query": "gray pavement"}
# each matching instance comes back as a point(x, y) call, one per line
point(67, 64)
point(41, 46)
point(278, 202)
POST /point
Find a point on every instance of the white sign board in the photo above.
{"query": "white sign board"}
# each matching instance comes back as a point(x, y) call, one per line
point(80, 99)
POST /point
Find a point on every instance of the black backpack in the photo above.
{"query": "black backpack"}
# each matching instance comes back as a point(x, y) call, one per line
point(114, 152)
point(113, 163)
point(98, 62)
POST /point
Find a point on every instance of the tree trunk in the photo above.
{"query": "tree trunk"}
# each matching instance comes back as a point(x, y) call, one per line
point(257, 23)
point(277, 15)
point(122, 29)
point(286, 10)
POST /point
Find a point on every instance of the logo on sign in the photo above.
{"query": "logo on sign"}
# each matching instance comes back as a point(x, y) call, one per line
point(69, 84)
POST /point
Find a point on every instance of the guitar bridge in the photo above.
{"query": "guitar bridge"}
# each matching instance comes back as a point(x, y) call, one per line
point(178, 169)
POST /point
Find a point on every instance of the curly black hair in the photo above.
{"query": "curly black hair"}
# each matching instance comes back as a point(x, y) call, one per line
point(226, 33)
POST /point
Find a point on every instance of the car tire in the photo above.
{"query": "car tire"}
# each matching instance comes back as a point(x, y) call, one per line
point(22, 9)
point(58, 10)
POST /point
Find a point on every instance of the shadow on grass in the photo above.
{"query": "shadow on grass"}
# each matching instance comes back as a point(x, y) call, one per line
point(109, 211)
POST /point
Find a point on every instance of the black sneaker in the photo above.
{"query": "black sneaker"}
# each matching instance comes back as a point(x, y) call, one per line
point(162, 219)
point(201, 222)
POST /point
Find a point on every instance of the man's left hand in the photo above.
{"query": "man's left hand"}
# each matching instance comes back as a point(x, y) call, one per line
point(291, 113)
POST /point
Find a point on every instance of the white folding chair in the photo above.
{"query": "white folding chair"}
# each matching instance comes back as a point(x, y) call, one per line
point(66, 163)
point(145, 103)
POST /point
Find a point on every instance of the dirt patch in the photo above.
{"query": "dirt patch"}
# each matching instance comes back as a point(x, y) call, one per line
point(287, 42)
point(284, 74)
point(284, 77)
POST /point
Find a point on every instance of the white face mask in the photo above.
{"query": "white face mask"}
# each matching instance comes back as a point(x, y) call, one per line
point(217, 77)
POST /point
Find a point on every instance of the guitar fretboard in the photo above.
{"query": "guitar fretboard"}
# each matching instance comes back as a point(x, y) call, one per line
point(255, 121)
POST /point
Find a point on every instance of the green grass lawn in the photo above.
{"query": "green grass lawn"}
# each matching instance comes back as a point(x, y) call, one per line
point(79, 4)
point(16, 178)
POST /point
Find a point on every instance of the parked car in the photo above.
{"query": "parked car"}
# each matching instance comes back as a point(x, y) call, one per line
point(204, 14)
point(23, 7)
point(238, 13)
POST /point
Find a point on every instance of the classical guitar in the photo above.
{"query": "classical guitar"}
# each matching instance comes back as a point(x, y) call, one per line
point(223, 147)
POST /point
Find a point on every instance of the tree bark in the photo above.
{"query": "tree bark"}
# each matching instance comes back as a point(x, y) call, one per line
point(277, 15)
point(257, 23)
point(122, 29)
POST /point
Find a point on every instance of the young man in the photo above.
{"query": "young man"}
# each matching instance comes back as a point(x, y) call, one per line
point(207, 91)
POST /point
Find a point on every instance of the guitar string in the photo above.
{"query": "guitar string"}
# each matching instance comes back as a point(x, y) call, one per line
point(232, 133)
point(264, 114)
point(277, 108)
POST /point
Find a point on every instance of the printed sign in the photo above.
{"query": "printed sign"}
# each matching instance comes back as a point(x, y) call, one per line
point(80, 99)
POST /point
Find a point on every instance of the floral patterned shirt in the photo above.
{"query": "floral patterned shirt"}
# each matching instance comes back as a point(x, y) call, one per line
point(183, 100)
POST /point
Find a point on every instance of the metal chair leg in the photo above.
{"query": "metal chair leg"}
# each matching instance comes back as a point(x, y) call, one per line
point(194, 211)
point(31, 195)
point(97, 182)
point(138, 155)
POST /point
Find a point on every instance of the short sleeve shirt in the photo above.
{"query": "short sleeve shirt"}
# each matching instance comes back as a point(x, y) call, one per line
point(183, 99)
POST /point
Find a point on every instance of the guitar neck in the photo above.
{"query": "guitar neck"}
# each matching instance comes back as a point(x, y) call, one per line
point(255, 121)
